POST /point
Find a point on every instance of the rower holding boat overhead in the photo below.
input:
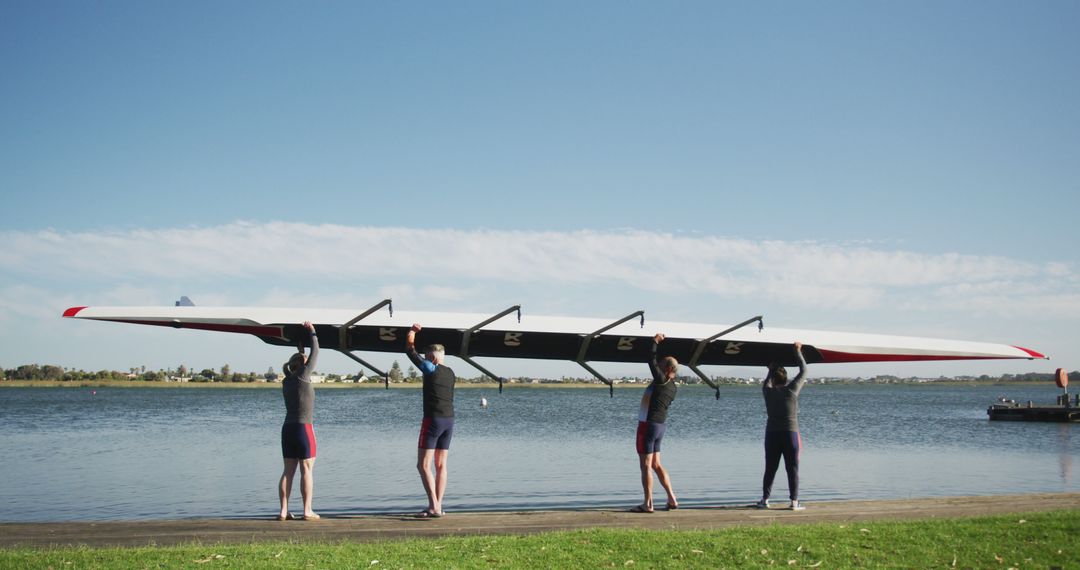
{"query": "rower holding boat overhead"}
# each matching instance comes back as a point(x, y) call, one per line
point(437, 427)
point(652, 418)
point(782, 437)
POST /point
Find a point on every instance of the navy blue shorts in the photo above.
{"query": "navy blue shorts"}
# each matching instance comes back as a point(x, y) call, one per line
point(435, 433)
point(649, 435)
point(298, 441)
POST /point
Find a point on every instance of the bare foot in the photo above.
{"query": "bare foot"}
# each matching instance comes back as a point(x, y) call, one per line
point(311, 517)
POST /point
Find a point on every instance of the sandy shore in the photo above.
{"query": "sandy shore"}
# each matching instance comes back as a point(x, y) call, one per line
point(396, 526)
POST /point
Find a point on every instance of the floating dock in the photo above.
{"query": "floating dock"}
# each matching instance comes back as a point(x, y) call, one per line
point(1065, 410)
point(1012, 411)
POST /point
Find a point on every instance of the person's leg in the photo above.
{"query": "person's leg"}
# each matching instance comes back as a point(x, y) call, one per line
point(441, 474)
point(423, 465)
point(444, 432)
point(285, 486)
point(307, 486)
point(425, 453)
point(792, 447)
point(773, 446)
point(644, 451)
point(645, 462)
point(665, 481)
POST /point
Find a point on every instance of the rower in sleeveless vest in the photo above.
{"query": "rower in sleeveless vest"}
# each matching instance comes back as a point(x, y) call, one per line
point(437, 426)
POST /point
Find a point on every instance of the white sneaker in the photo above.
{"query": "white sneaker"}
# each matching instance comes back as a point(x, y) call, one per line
point(797, 506)
point(762, 504)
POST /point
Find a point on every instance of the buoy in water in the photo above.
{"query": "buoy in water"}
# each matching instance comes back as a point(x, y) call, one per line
point(483, 402)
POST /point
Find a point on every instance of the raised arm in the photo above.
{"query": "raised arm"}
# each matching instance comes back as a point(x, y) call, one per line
point(410, 346)
point(313, 352)
point(654, 366)
point(799, 380)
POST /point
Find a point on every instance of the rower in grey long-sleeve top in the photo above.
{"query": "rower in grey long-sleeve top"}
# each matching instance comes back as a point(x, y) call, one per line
point(782, 438)
point(782, 401)
point(297, 388)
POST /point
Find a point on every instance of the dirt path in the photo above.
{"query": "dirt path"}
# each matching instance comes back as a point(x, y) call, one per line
point(395, 526)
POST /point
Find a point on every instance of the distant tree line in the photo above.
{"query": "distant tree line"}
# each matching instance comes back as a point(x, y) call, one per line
point(49, 372)
point(1074, 376)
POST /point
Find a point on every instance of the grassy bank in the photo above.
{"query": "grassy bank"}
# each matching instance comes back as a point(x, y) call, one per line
point(1037, 540)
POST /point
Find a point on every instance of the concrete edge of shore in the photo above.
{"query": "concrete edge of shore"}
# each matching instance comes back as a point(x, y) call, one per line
point(399, 526)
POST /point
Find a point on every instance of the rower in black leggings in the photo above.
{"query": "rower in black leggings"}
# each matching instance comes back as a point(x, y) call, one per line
point(782, 430)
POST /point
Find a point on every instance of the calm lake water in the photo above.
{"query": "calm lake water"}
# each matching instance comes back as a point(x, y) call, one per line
point(151, 453)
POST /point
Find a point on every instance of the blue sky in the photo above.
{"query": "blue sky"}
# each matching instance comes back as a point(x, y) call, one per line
point(904, 168)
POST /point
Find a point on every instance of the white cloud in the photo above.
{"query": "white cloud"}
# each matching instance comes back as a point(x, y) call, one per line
point(454, 265)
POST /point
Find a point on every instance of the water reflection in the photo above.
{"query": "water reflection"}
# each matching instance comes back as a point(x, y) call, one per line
point(1066, 451)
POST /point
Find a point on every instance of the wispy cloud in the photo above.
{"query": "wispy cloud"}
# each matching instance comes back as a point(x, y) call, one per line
point(852, 276)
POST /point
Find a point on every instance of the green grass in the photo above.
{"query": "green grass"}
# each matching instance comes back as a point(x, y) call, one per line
point(1038, 540)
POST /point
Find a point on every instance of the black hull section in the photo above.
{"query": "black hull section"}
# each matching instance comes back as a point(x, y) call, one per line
point(545, 345)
